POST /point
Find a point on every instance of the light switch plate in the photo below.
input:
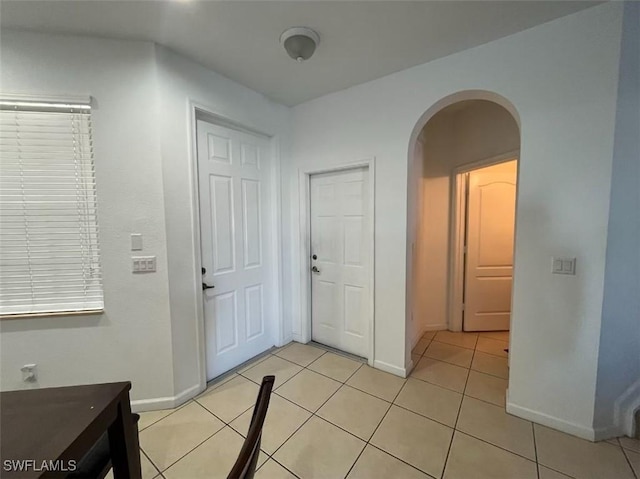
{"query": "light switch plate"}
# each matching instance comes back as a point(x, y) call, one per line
point(143, 264)
point(136, 242)
point(563, 265)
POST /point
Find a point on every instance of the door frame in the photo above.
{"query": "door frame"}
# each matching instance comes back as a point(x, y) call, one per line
point(304, 178)
point(458, 230)
point(198, 111)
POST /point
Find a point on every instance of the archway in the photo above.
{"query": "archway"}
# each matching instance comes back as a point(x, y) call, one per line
point(460, 133)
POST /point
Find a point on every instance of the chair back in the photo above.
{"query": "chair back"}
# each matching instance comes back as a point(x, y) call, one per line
point(245, 466)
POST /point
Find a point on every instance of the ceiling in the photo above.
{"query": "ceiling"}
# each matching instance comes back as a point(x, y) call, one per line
point(359, 40)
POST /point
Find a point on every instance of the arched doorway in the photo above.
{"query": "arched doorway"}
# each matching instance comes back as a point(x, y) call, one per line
point(461, 143)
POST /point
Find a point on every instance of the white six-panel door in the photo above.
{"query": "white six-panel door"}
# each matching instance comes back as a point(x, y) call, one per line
point(234, 177)
point(340, 271)
point(491, 211)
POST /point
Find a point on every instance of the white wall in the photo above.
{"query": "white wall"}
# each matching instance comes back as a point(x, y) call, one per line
point(149, 333)
point(132, 339)
point(454, 137)
point(619, 358)
point(561, 78)
point(182, 81)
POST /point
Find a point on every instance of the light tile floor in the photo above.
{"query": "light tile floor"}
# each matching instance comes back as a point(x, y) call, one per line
point(334, 417)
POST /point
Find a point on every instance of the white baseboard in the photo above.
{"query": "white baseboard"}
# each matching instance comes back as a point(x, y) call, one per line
point(297, 337)
point(624, 410)
point(602, 433)
point(169, 402)
point(417, 337)
point(390, 368)
point(579, 430)
point(437, 327)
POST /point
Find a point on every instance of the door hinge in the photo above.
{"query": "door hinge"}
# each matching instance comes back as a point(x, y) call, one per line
point(464, 249)
point(462, 306)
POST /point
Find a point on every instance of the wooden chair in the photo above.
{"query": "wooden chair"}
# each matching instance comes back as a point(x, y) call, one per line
point(245, 466)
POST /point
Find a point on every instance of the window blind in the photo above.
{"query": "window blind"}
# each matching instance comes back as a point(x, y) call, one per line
point(49, 251)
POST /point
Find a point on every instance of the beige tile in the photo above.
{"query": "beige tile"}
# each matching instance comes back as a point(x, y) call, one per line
point(414, 439)
point(441, 373)
point(634, 460)
point(613, 440)
point(149, 471)
point(415, 358)
point(230, 399)
point(171, 438)
point(283, 418)
point(578, 457)
point(472, 458)
point(546, 473)
point(377, 464)
point(301, 354)
point(488, 388)
point(319, 450)
point(492, 424)
point(421, 346)
point(630, 443)
point(308, 389)
point(212, 459)
point(150, 417)
point(335, 366)
point(492, 346)
point(490, 364)
point(380, 384)
point(283, 370)
point(463, 340)
point(272, 470)
point(429, 334)
point(450, 354)
point(253, 362)
point(499, 335)
point(357, 412)
point(436, 403)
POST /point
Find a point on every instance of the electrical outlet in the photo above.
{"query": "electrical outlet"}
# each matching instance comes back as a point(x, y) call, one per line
point(29, 373)
point(143, 264)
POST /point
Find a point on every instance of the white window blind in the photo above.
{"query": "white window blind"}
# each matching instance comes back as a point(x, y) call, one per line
point(49, 252)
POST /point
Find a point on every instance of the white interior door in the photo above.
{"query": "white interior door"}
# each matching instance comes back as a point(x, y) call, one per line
point(491, 210)
point(340, 242)
point(235, 225)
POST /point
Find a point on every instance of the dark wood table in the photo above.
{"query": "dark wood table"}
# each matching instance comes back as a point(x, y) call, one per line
point(59, 426)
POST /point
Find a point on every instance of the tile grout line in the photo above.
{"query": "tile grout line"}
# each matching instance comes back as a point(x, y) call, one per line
point(626, 456)
point(374, 430)
point(283, 466)
point(312, 413)
point(455, 424)
point(535, 449)
point(368, 442)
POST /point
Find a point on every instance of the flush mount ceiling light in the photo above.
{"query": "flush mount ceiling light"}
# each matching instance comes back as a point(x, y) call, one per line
point(300, 42)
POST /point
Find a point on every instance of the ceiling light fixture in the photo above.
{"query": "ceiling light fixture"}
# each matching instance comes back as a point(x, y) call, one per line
point(300, 42)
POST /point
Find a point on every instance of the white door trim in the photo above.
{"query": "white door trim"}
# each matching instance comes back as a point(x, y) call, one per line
point(458, 231)
point(304, 176)
point(196, 111)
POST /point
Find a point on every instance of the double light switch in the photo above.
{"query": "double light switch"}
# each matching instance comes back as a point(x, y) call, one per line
point(564, 266)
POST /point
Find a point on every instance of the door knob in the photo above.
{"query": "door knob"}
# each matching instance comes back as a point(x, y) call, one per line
point(206, 286)
point(315, 256)
point(315, 269)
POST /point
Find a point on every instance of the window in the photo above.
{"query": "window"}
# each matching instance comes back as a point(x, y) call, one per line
point(49, 255)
